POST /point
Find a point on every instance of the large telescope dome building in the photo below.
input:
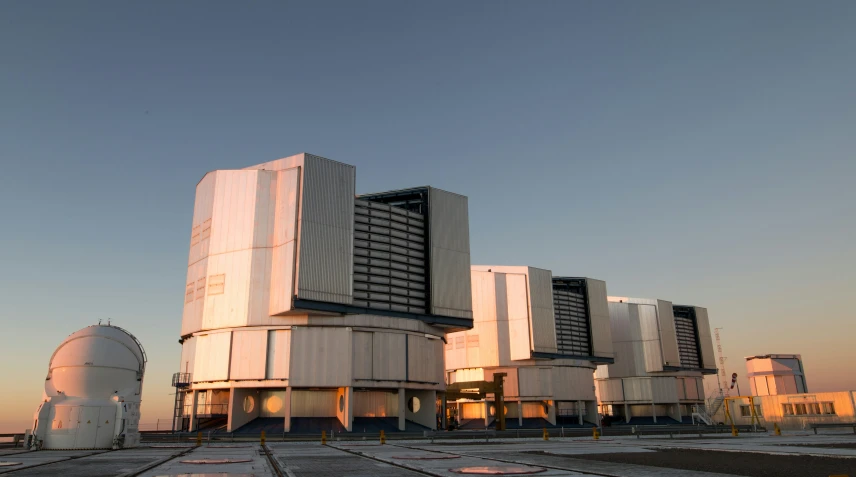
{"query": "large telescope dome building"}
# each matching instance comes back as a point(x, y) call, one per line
point(308, 307)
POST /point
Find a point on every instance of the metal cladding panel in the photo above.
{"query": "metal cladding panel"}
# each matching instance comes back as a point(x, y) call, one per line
point(233, 218)
point(320, 403)
point(449, 239)
point(284, 242)
point(194, 298)
point(188, 355)
point(258, 312)
point(534, 381)
point(518, 316)
point(610, 390)
point(424, 359)
point(649, 324)
point(510, 384)
point(668, 335)
point(663, 389)
point(482, 341)
point(388, 351)
point(362, 355)
point(321, 357)
point(534, 410)
point(325, 268)
point(708, 358)
point(601, 332)
point(278, 354)
point(619, 320)
point(573, 384)
point(228, 290)
point(456, 356)
point(543, 323)
point(680, 385)
point(249, 354)
point(212, 357)
point(637, 389)
point(375, 404)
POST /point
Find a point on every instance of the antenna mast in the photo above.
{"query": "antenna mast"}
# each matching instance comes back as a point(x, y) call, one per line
point(721, 374)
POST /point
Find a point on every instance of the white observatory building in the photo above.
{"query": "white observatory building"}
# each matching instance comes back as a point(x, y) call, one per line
point(662, 352)
point(546, 333)
point(92, 392)
point(308, 307)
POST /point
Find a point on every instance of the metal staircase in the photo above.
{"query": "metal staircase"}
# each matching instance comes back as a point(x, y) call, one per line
point(702, 414)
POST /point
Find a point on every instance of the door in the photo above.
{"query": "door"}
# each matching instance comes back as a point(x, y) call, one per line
point(106, 427)
point(87, 427)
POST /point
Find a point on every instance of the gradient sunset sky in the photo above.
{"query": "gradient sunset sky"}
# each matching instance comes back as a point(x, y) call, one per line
point(700, 152)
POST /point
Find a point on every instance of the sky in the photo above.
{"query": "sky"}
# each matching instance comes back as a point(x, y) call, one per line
point(699, 152)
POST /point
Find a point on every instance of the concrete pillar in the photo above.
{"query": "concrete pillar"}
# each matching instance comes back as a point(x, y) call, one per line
point(551, 412)
point(676, 412)
point(459, 417)
point(193, 399)
point(286, 405)
point(654, 411)
point(402, 409)
point(520, 413)
point(345, 407)
point(444, 421)
point(626, 413)
point(486, 413)
point(580, 411)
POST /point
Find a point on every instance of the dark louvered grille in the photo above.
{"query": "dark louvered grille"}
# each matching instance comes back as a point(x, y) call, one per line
point(572, 321)
point(685, 328)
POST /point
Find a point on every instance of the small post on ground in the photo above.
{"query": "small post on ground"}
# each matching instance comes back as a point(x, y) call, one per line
point(198, 439)
point(382, 437)
point(323, 437)
point(546, 435)
point(262, 439)
point(595, 434)
point(776, 429)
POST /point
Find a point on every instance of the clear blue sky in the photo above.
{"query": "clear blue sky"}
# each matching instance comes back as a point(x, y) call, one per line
point(701, 152)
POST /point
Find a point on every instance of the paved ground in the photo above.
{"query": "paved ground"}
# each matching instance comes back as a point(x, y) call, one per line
point(792, 455)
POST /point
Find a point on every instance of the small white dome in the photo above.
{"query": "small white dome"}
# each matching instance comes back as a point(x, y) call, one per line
point(97, 361)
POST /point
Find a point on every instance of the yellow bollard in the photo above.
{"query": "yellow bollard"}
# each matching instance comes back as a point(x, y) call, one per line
point(198, 438)
point(546, 435)
point(382, 437)
point(734, 431)
point(263, 438)
point(595, 433)
point(776, 429)
point(323, 437)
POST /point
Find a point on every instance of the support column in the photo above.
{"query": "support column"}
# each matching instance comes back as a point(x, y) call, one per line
point(458, 406)
point(345, 407)
point(286, 406)
point(626, 413)
point(551, 412)
point(402, 409)
point(580, 411)
point(654, 411)
point(444, 420)
point(520, 413)
point(486, 413)
point(193, 399)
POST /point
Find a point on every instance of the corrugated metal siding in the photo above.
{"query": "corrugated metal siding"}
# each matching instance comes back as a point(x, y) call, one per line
point(610, 390)
point(534, 381)
point(708, 358)
point(663, 389)
point(212, 357)
point(313, 403)
point(572, 384)
point(200, 239)
point(449, 240)
point(601, 332)
point(326, 264)
point(188, 355)
point(534, 410)
point(572, 323)
point(284, 241)
point(685, 331)
point(324, 357)
point(375, 404)
point(668, 335)
point(388, 349)
point(424, 359)
point(543, 324)
point(510, 383)
point(637, 389)
point(249, 354)
point(518, 316)
point(278, 354)
point(362, 355)
point(649, 323)
point(472, 410)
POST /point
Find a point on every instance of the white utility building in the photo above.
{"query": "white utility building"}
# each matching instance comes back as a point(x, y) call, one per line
point(662, 352)
point(547, 333)
point(308, 307)
point(92, 392)
point(773, 374)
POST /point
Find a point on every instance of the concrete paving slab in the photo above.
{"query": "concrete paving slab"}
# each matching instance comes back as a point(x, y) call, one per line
point(255, 463)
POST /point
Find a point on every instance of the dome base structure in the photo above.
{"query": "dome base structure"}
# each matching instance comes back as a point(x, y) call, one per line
point(92, 392)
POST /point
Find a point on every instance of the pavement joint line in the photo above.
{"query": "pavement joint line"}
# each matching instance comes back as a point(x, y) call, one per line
point(584, 472)
point(156, 463)
point(17, 469)
point(274, 465)
point(389, 462)
point(740, 451)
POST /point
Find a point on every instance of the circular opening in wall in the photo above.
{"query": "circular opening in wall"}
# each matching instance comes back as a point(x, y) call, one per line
point(413, 404)
point(249, 404)
point(274, 404)
point(341, 403)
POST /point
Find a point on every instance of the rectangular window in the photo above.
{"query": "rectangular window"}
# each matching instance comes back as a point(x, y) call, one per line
point(788, 409)
point(758, 410)
point(829, 408)
point(744, 410)
point(813, 408)
point(800, 410)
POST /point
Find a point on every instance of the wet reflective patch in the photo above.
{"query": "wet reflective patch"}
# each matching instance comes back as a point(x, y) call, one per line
point(498, 470)
point(426, 457)
point(215, 461)
point(9, 464)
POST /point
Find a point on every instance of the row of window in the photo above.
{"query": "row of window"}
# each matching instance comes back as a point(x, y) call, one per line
point(809, 409)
